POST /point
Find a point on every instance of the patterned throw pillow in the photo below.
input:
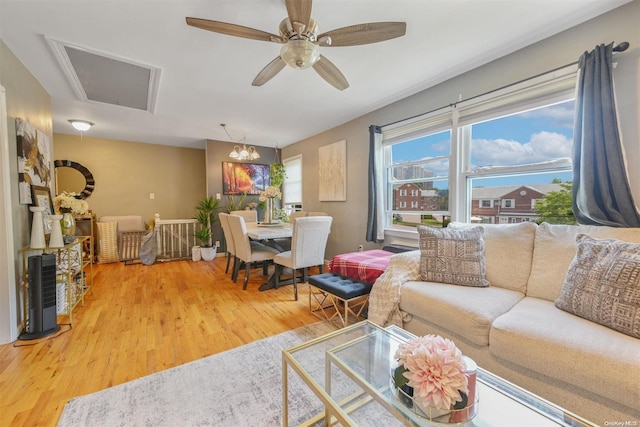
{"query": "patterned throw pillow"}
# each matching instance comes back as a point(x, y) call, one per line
point(453, 256)
point(603, 284)
point(108, 242)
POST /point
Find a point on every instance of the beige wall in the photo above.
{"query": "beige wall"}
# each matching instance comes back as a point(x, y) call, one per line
point(350, 217)
point(25, 99)
point(127, 172)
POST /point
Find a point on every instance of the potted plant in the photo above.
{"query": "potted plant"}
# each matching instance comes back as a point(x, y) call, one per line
point(205, 215)
point(277, 174)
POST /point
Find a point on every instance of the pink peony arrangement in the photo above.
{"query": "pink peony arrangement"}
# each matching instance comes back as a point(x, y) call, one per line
point(434, 368)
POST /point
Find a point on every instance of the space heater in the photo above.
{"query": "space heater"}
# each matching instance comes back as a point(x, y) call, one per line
point(43, 319)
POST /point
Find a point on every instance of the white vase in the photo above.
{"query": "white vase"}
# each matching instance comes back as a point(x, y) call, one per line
point(56, 241)
point(37, 228)
point(196, 253)
point(208, 254)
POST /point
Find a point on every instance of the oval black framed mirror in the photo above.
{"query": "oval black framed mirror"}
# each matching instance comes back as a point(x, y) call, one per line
point(83, 186)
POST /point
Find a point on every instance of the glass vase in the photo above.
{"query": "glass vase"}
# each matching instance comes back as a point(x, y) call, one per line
point(269, 217)
point(68, 226)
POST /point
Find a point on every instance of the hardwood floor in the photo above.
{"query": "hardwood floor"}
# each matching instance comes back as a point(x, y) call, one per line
point(138, 321)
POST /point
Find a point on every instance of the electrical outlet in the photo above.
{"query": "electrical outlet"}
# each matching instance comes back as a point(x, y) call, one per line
point(217, 243)
point(360, 248)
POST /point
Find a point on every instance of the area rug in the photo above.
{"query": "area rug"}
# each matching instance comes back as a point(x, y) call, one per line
point(239, 387)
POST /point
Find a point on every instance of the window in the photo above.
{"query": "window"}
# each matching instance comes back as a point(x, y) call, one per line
point(292, 187)
point(508, 203)
point(414, 205)
point(509, 147)
point(403, 193)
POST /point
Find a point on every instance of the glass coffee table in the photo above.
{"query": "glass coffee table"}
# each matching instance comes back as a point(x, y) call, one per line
point(349, 370)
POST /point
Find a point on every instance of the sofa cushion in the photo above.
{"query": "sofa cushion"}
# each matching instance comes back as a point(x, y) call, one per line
point(555, 248)
point(467, 311)
point(508, 252)
point(452, 256)
point(536, 335)
point(603, 284)
point(108, 242)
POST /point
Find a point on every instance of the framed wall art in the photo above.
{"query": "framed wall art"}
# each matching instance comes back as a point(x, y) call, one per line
point(34, 159)
point(332, 167)
point(244, 178)
point(41, 197)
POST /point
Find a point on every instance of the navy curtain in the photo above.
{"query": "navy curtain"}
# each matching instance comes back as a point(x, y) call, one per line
point(375, 232)
point(601, 194)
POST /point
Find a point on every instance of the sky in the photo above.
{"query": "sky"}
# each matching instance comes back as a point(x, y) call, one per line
point(535, 136)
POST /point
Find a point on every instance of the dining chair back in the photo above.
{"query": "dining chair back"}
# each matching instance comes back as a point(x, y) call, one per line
point(317, 214)
point(248, 215)
point(247, 251)
point(228, 238)
point(308, 244)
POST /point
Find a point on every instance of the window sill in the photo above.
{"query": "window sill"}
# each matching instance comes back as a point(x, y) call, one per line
point(396, 235)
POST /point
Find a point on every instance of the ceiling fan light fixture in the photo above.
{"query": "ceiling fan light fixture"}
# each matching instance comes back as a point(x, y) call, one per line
point(81, 125)
point(300, 54)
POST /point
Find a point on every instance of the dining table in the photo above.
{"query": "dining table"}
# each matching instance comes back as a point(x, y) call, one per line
point(269, 233)
point(263, 231)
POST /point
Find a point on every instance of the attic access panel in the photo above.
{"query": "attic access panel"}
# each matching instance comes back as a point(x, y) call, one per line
point(95, 76)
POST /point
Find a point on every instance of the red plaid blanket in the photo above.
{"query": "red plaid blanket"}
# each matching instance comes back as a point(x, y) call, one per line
point(365, 265)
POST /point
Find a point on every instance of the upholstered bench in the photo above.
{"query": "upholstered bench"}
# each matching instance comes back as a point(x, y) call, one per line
point(334, 296)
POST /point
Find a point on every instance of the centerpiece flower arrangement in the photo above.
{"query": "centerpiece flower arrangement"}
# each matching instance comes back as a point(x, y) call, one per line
point(70, 202)
point(433, 374)
point(270, 192)
point(267, 196)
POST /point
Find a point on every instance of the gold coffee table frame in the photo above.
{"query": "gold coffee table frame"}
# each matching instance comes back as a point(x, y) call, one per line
point(362, 354)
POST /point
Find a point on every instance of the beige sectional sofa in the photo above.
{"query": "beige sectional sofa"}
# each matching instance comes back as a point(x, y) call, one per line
point(513, 328)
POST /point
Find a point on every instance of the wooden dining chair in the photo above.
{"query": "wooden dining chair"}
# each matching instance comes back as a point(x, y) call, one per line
point(308, 244)
point(247, 251)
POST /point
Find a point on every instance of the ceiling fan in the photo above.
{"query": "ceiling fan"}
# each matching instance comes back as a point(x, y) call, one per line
point(300, 41)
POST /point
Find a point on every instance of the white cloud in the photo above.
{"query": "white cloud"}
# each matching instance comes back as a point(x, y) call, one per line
point(559, 115)
point(542, 146)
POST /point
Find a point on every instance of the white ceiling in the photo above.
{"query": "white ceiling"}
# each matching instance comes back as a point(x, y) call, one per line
point(206, 77)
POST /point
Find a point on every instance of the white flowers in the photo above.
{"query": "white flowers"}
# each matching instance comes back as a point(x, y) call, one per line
point(70, 202)
point(270, 193)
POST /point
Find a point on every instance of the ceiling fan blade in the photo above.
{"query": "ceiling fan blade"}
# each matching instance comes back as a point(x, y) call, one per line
point(233, 30)
point(371, 32)
point(268, 72)
point(299, 12)
point(330, 73)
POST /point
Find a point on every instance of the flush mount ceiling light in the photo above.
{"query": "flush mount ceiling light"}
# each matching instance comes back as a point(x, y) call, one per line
point(81, 125)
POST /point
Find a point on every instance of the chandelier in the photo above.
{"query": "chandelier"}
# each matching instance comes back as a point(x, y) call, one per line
point(244, 153)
